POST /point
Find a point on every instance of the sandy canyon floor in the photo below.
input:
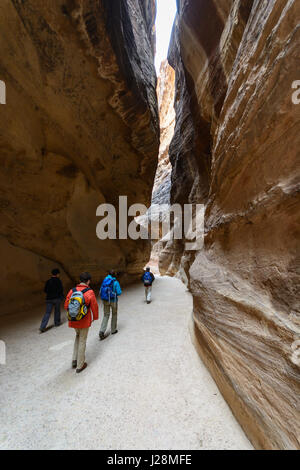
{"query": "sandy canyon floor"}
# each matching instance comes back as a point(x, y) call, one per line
point(144, 388)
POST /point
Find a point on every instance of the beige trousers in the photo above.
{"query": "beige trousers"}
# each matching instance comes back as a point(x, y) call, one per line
point(79, 346)
point(113, 306)
point(148, 291)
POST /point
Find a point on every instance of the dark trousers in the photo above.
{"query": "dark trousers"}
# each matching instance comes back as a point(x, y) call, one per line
point(49, 307)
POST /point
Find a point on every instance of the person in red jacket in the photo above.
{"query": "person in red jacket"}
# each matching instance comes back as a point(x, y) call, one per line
point(82, 326)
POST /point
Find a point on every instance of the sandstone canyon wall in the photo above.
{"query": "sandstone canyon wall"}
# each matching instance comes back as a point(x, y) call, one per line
point(235, 150)
point(162, 183)
point(165, 95)
point(80, 128)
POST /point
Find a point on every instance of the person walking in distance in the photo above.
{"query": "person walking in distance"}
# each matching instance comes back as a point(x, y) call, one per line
point(148, 279)
point(82, 308)
point(54, 295)
point(109, 293)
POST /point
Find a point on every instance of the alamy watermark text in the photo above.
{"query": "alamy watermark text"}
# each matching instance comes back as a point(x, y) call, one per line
point(174, 222)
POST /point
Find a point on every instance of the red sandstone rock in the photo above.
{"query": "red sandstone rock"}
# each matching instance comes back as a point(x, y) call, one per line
point(80, 128)
point(235, 148)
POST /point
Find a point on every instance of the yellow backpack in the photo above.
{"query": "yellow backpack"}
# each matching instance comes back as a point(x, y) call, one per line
point(77, 308)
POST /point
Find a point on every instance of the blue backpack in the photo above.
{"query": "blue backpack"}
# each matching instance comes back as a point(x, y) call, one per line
point(107, 289)
point(147, 278)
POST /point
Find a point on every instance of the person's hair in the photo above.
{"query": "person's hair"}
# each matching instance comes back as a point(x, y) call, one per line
point(55, 272)
point(112, 273)
point(147, 269)
point(84, 277)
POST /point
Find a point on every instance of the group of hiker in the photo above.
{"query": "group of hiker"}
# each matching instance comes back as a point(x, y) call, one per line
point(82, 307)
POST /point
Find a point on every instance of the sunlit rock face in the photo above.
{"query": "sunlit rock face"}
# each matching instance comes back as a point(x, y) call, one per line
point(165, 93)
point(159, 209)
point(235, 147)
point(162, 183)
point(80, 128)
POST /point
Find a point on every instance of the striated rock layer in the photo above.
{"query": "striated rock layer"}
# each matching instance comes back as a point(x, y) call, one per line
point(235, 148)
point(80, 128)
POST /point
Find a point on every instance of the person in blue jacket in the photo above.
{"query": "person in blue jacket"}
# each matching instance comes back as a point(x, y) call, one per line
point(109, 293)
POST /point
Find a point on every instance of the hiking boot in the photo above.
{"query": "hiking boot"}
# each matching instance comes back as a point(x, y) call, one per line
point(115, 332)
point(82, 368)
point(42, 330)
point(74, 364)
point(148, 301)
point(101, 336)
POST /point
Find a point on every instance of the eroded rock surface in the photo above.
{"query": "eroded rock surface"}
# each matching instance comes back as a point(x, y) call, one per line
point(80, 128)
point(235, 147)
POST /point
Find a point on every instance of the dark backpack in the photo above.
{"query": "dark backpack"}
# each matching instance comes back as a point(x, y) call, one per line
point(147, 279)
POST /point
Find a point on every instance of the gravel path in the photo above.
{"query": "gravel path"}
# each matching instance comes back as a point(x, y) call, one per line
point(144, 388)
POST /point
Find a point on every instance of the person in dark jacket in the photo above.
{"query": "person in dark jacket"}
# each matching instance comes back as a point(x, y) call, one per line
point(54, 296)
point(148, 279)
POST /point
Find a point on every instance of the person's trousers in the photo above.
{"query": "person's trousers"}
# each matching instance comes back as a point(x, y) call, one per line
point(148, 291)
point(49, 307)
point(80, 346)
point(113, 307)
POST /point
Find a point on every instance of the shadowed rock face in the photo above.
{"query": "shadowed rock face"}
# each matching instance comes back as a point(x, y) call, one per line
point(80, 128)
point(235, 147)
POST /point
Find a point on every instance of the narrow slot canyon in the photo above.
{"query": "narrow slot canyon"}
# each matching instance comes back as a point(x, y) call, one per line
point(213, 361)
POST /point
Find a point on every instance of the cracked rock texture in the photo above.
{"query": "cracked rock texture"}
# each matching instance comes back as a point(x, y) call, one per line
point(80, 128)
point(234, 150)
